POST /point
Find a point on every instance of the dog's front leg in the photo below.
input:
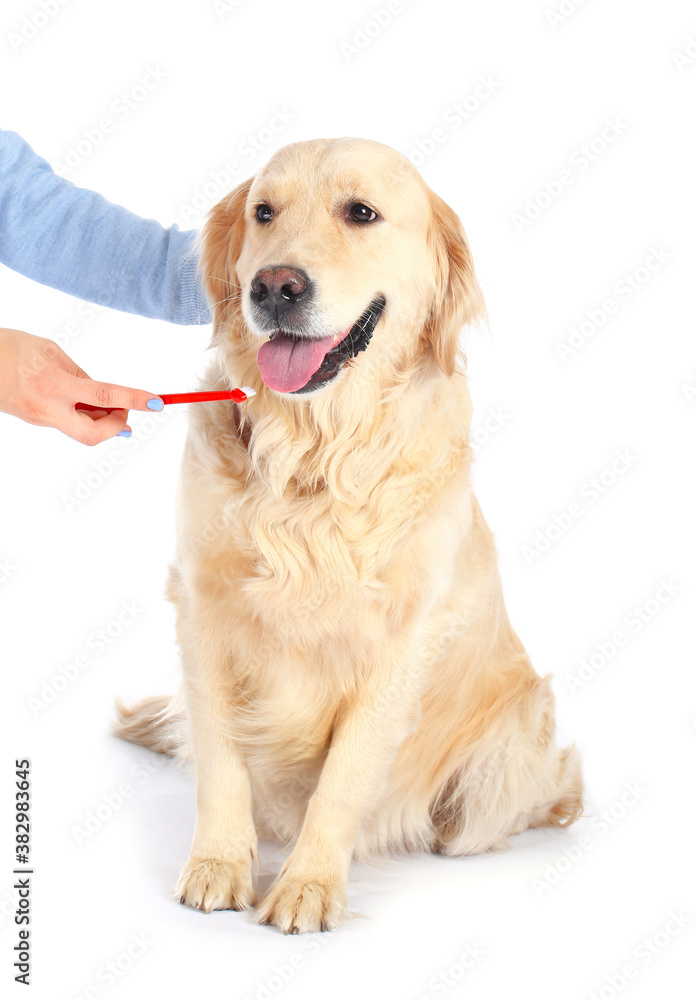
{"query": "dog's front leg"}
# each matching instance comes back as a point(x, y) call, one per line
point(310, 893)
point(218, 873)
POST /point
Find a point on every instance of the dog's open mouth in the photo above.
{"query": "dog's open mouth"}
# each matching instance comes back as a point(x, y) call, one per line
point(294, 364)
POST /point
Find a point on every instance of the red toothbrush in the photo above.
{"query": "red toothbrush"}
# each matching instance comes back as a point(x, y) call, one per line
point(238, 395)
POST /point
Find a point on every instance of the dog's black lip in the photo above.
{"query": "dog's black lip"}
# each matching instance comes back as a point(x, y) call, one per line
point(355, 341)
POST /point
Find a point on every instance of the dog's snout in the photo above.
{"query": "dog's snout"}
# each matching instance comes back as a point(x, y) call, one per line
point(277, 289)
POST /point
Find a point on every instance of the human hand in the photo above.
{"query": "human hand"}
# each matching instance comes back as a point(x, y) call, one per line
point(39, 383)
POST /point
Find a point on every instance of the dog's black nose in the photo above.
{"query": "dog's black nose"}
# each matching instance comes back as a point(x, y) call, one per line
point(277, 289)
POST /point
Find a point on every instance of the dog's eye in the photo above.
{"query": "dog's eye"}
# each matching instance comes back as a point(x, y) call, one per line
point(361, 213)
point(264, 213)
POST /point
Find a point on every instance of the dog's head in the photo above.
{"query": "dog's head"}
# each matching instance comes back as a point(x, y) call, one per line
point(336, 252)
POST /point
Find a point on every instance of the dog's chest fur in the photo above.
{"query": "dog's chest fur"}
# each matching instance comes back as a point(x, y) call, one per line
point(301, 567)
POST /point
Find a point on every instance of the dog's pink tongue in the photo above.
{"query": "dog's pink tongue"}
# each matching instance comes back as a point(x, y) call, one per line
point(287, 363)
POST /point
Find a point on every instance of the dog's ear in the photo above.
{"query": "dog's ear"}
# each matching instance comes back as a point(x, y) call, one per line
point(459, 300)
point(220, 243)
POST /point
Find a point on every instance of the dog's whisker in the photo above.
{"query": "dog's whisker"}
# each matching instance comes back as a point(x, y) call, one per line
point(229, 298)
point(225, 281)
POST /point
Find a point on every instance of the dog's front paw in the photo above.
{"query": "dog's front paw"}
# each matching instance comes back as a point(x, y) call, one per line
point(297, 905)
point(208, 884)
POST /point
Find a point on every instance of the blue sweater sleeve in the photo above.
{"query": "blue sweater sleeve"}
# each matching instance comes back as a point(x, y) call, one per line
point(78, 242)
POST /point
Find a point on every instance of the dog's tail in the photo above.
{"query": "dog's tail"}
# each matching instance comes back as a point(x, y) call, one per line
point(569, 804)
point(157, 723)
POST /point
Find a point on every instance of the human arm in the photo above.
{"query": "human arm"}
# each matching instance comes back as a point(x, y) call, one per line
point(75, 240)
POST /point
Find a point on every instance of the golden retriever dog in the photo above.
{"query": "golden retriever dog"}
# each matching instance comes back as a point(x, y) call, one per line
point(351, 682)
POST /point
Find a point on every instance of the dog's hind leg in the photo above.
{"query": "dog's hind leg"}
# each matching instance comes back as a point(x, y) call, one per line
point(513, 779)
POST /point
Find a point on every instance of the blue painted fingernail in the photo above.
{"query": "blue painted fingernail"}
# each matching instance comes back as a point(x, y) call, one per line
point(154, 404)
point(124, 434)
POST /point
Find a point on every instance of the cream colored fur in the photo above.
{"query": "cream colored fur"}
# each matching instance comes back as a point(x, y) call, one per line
point(352, 684)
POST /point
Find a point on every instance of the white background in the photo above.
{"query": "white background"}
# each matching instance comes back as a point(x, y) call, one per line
point(630, 386)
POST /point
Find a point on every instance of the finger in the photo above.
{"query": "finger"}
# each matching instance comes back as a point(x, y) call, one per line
point(80, 426)
point(106, 395)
